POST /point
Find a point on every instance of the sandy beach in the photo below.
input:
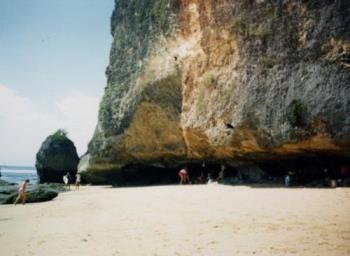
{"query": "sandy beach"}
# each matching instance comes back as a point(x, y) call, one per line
point(181, 220)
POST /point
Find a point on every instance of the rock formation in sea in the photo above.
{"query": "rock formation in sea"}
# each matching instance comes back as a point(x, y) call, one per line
point(239, 82)
point(57, 156)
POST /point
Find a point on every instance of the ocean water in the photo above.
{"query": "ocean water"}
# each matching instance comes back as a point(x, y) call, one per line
point(18, 175)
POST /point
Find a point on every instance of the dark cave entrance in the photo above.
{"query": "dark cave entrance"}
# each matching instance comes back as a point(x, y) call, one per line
point(146, 175)
point(309, 171)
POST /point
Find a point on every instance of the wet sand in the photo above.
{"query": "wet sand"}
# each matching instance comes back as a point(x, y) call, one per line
point(181, 220)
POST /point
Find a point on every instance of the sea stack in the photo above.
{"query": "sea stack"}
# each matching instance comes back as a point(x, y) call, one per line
point(234, 82)
point(57, 156)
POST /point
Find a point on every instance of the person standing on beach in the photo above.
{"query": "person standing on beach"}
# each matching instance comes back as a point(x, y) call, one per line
point(184, 179)
point(66, 180)
point(77, 181)
point(22, 195)
point(69, 178)
point(221, 173)
point(201, 179)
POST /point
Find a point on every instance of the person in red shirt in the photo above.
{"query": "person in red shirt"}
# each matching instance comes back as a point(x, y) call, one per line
point(183, 174)
point(22, 195)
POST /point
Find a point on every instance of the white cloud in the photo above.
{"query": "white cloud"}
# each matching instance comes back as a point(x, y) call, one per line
point(79, 117)
point(24, 126)
point(14, 106)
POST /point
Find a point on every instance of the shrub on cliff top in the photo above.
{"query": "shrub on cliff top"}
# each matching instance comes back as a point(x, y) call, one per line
point(60, 135)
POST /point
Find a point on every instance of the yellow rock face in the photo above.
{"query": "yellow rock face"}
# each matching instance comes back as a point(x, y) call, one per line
point(154, 134)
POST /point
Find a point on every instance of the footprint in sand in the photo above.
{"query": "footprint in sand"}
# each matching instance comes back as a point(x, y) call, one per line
point(41, 242)
point(5, 219)
point(323, 243)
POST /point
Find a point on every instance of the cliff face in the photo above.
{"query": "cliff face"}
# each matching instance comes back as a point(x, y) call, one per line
point(194, 80)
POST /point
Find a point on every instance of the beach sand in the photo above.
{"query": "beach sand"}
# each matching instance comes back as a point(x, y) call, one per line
point(181, 220)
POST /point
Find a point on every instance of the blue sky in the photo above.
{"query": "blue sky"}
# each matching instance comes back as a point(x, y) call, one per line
point(53, 55)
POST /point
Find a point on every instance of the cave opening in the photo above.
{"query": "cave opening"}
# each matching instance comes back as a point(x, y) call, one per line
point(309, 171)
point(146, 175)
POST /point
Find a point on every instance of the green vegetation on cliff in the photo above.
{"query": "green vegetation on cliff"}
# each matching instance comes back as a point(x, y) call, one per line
point(296, 113)
point(60, 135)
point(145, 15)
point(135, 25)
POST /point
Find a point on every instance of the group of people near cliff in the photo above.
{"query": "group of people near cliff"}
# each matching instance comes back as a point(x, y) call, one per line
point(332, 177)
point(67, 180)
point(202, 178)
point(336, 176)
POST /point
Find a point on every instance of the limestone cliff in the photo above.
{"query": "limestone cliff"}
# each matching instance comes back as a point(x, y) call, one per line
point(222, 80)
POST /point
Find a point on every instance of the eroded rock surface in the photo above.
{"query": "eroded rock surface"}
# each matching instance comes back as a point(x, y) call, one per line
point(205, 80)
